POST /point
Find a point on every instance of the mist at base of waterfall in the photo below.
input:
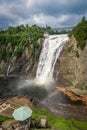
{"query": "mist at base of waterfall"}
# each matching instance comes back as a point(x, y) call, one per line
point(45, 93)
point(43, 84)
point(24, 83)
point(34, 89)
point(54, 101)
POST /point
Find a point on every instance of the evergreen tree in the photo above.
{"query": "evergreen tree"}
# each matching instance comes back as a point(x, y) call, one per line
point(80, 33)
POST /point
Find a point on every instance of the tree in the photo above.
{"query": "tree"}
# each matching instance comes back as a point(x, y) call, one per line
point(11, 30)
point(80, 33)
point(83, 19)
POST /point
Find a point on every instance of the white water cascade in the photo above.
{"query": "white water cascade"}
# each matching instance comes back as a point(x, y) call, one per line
point(51, 49)
point(8, 69)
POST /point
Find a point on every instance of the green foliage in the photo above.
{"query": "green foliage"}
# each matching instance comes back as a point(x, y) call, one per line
point(70, 34)
point(80, 33)
point(14, 39)
point(3, 118)
point(59, 123)
point(82, 86)
point(69, 49)
point(53, 121)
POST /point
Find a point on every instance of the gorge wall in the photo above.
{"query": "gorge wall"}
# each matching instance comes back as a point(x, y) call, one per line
point(24, 64)
point(71, 67)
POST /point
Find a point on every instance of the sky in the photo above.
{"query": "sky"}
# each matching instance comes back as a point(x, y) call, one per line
point(54, 13)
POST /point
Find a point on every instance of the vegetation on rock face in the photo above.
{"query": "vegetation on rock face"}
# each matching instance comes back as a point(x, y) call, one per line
point(80, 33)
point(14, 39)
point(21, 43)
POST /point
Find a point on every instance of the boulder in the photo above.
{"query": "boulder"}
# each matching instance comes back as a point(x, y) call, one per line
point(43, 122)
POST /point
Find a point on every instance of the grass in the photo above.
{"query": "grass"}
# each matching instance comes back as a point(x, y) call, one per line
point(3, 118)
point(54, 122)
point(80, 125)
point(59, 123)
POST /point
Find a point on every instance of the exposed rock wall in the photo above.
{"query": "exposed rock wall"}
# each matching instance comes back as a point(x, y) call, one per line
point(71, 67)
point(23, 64)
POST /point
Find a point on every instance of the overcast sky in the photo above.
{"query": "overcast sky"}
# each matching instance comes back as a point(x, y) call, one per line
point(54, 13)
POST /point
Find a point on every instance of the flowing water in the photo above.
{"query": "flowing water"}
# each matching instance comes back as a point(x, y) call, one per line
point(8, 69)
point(52, 47)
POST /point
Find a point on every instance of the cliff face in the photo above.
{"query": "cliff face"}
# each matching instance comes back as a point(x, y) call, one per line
point(71, 67)
point(23, 64)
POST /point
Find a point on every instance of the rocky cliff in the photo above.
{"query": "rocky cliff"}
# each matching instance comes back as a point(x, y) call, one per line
point(71, 67)
point(24, 64)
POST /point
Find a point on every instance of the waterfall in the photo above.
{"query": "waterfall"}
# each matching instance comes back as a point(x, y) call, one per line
point(51, 49)
point(8, 69)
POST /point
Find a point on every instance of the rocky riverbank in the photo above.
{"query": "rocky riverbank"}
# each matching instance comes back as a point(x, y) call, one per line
point(75, 94)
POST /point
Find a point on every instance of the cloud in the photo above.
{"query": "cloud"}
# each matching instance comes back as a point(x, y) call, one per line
point(42, 12)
